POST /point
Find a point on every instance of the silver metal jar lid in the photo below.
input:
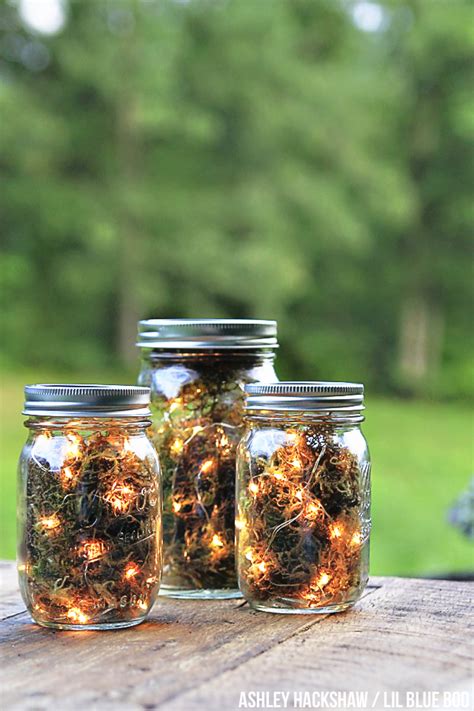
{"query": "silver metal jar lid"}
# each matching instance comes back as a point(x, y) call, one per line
point(207, 333)
point(305, 395)
point(87, 400)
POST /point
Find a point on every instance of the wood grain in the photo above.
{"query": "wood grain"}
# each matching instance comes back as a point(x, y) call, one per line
point(404, 634)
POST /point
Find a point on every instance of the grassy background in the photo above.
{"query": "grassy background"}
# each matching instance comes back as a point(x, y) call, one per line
point(421, 463)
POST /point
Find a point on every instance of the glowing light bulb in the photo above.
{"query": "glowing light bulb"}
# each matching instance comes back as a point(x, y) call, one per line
point(76, 615)
point(299, 495)
point(296, 463)
point(120, 497)
point(249, 554)
point(93, 550)
point(239, 524)
point(217, 541)
point(323, 580)
point(176, 506)
point(50, 523)
point(177, 446)
point(142, 605)
point(262, 566)
point(356, 539)
point(336, 531)
point(73, 446)
point(253, 487)
point(131, 570)
point(313, 510)
point(278, 475)
point(207, 466)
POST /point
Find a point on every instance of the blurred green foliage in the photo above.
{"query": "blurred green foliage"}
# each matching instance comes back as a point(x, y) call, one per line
point(245, 159)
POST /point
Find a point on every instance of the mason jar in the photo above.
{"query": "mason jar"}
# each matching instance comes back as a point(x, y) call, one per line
point(303, 493)
point(89, 507)
point(197, 370)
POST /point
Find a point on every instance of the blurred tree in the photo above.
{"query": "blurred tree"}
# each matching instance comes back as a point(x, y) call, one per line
point(242, 159)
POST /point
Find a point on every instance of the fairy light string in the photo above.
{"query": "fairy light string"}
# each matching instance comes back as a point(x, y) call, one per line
point(91, 549)
point(301, 519)
point(196, 431)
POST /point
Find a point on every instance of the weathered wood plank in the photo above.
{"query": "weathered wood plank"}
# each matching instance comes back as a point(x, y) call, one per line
point(410, 635)
point(404, 634)
point(10, 600)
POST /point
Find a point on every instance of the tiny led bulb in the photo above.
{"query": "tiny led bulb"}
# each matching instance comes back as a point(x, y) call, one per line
point(131, 571)
point(313, 509)
point(296, 463)
point(323, 580)
point(336, 531)
point(239, 524)
point(76, 615)
point(176, 506)
point(217, 541)
point(278, 475)
point(177, 446)
point(253, 487)
point(356, 539)
point(299, 495)
point(262, 566)
point(207, 466)
point(249, 554)
point(50, 522)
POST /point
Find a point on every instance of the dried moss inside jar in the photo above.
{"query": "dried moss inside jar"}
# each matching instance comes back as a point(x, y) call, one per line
point(89, 507)
point(197, 370)
point(303, 493)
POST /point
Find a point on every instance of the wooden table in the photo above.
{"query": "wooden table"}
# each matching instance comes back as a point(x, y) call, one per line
point(405, 635)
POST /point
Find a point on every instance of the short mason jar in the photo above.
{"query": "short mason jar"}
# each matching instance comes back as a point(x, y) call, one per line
point(89, 507)
point(303, 497)
point(197, 370)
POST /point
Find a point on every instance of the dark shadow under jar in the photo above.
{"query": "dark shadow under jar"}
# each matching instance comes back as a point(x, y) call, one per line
point(197, 372)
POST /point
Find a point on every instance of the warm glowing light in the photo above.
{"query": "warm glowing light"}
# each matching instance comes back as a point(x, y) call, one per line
point(336, 531)
point(224, 441)
point(356, 539)
point(217, 541)
point(249, 554)
point(296, 463)
point(21, 568)
point(299, 495)
point(76, 615)
point(278, 475)
point(131, 570)
point(50, 522)
point(73, 447)
point(176, 506)
point(313, 510)
point(120, 497)
point(142, 605)
point(207, 466)
point(323, 580)
point(239, 524)
point(177, 446)
point(93, 550)
point(292, 436)
point(262, 566)
point(253, 487)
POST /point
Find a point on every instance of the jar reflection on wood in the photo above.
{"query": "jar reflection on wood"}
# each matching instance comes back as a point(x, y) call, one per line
point(303, 493)
point(89, 507)
point(197, 370)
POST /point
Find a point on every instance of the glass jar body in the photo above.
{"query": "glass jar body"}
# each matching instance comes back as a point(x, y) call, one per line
point(303, 519)
point(197, 402)
point(89, 519)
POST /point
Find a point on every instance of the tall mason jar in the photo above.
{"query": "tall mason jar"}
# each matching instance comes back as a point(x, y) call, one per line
point(197, 370)
point(303, 497)
point(89, 507)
